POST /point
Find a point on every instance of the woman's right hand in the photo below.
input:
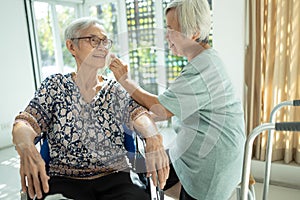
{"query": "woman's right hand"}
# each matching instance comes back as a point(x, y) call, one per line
point(119, 68)
point(32, 170)
point(32, 165)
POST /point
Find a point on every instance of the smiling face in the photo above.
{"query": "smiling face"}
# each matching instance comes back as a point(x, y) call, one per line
point(178, 42)
point(173, 30)
point(84, 53)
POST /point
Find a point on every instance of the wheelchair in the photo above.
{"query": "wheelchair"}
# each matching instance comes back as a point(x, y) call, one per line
point(134, 146)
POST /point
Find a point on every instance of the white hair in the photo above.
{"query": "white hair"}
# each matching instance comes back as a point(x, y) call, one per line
point(75, 27)
point(193, 16)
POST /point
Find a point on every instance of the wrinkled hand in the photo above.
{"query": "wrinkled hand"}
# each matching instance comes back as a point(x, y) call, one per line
point(157, 161)
point(32, 169)
point(119, 69)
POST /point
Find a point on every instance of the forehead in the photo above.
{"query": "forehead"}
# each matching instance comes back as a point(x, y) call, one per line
point(95, 29)
point(171, 19)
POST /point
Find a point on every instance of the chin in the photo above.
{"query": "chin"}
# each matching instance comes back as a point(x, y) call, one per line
point(100, 62)
point(175, 53)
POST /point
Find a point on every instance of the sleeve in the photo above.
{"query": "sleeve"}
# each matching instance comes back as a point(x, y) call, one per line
point(186, 95)
point(41, 106)
point(129, 108)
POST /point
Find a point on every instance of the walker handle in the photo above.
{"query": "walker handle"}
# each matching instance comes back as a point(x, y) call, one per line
point(287, 126)
point(296, 102)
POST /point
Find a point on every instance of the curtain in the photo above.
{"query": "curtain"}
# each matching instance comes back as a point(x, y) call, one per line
point(272, 73)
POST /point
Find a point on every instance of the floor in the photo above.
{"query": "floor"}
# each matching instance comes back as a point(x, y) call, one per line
point(275, 193)
point(10, 184)
point(10, 181)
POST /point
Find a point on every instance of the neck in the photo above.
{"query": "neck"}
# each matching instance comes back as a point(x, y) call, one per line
point(86, 78)
point(88, 82)
point(195, 49)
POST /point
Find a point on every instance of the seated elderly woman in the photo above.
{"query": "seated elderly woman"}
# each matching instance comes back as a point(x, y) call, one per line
point(82, 115)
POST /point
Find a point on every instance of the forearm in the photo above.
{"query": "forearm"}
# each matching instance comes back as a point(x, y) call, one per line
point(157, 161)
point(140, 95)
point(145, 125)
point(146, 99)
point(147, 128)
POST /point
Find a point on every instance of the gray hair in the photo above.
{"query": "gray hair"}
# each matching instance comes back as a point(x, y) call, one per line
point(74, 29)
point(193, 16)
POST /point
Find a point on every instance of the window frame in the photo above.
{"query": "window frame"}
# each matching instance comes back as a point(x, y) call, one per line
point(32, 31)
point(81, 8)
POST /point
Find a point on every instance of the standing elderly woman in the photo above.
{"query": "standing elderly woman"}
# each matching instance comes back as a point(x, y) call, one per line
point(82, 115)
point(208, 152)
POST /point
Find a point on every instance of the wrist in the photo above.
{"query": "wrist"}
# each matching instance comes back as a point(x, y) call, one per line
point(28, 120)
point(123, 80)
point(23, 147)
point(129, 85)
point(23, 133)
point(154, 144)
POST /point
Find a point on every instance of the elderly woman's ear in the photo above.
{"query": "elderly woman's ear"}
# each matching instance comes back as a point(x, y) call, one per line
point(70, 46)
point(196, 35)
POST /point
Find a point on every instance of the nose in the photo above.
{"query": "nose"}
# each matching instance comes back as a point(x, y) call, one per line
point(167, 34)
point(101, 46)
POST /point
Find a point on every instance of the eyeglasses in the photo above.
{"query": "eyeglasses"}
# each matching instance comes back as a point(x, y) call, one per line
point(96, 41)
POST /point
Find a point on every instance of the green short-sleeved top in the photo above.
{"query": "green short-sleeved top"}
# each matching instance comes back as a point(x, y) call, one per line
point(207, 153)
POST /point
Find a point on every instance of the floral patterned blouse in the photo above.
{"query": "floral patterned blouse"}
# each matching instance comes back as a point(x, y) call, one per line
point(85, 139)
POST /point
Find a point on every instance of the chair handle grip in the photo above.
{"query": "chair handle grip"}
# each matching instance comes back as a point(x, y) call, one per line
point(287, 126)
point(296, 102)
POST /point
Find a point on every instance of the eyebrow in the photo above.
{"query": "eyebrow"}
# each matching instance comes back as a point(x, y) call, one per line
point(102, 38)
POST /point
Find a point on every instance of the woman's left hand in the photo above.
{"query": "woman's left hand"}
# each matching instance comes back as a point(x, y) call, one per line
point(157, 161)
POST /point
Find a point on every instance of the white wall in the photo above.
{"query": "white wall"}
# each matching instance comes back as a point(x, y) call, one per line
point(281, 174)
point(16, 77)
point(229, 38)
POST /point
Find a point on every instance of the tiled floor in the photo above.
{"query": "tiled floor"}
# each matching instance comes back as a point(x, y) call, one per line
point(10, 181)
point(10, 184)
point(275, 193)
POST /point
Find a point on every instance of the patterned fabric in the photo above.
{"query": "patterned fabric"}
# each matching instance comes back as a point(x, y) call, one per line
point(85, 139)
point(29, 120)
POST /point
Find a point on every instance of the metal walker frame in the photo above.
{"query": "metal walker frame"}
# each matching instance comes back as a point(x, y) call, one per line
point(283, 126)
